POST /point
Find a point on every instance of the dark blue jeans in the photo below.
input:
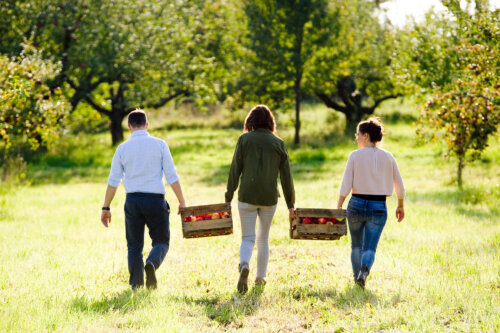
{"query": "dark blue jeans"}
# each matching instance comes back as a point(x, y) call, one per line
point(366, 221)
point(143, 209)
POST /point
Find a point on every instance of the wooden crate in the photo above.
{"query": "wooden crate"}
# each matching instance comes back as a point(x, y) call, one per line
point(207, 228)
point(299, 230)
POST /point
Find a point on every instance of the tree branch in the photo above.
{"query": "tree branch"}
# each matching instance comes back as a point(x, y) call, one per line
point(329, 102)
point(96, 107)
point(380, 100)
point(167, 99)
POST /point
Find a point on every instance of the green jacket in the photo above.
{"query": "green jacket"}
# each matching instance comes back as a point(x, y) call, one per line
point(258, 157)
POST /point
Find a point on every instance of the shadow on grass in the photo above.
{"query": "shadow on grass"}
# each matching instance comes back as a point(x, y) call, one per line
point(353, 297)
point(230, 311)
point(62, 175)
point(125, 301)
point(306, 164)
point(480, 202)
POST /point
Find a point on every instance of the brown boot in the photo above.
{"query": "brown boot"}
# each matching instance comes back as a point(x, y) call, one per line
point(243, 280)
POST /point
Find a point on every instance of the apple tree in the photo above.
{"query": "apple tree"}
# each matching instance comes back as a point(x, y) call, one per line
point(453, 62)
point(351, 73)
point(119, 55)
point(282, 36)
point(30, 112)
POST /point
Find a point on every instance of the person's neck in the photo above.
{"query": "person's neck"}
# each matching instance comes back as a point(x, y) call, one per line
point(368, 145)
point(132, 130)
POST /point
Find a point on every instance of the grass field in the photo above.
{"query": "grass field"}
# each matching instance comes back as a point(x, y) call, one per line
point(439, 270)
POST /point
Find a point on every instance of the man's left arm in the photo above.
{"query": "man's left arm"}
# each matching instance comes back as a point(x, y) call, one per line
point(171, 176)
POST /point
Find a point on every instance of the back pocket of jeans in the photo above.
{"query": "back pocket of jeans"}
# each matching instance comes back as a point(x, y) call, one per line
point(379, 216)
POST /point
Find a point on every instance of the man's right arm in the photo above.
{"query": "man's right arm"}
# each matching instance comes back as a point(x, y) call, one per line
point(114, 180)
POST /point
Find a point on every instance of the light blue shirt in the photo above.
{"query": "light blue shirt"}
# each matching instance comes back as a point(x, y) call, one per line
point(142, 161)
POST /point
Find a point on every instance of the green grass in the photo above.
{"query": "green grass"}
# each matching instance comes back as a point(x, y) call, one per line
point(439, 270)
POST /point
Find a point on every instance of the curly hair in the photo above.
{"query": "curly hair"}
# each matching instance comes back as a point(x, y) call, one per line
point(260, 117)
point(373, 126)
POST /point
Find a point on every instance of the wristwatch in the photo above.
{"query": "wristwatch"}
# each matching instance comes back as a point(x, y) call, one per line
point(105, 208)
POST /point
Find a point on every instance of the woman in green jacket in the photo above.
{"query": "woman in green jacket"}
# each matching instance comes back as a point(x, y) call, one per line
point(258, 159)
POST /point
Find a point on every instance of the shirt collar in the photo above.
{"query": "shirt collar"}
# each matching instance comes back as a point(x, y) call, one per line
point(263, 130)
point(139, 133)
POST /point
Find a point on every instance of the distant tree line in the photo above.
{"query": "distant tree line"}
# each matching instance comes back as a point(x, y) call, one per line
point(114, 56)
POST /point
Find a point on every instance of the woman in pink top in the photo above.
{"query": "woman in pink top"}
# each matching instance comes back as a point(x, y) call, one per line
point(371, 175)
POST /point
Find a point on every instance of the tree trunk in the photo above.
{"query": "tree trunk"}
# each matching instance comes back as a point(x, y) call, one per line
point(297, 109)
point(116, 128)
point(353, 116)
point(459, 171)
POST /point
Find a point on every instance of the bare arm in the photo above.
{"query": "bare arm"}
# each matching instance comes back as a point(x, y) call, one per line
point(176, 187)
point(340, 202)
point(400, 211)
point(106, 214)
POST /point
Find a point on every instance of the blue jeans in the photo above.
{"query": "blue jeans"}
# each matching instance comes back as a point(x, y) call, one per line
point(366, 221)
point(143, 209)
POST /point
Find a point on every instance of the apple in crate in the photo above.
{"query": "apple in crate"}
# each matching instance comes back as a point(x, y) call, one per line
point(306, 220)
point(200, 218)
point(214, 216)
point(321, 220)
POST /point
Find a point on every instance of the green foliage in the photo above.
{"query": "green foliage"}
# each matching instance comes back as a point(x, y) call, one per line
point(282, 35)
point(455, 58)
point(30, 113)
point(119, 55)
point(467, 113)
point(360, 50)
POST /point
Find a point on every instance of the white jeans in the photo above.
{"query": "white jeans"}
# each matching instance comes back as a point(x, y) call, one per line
point(248, 216)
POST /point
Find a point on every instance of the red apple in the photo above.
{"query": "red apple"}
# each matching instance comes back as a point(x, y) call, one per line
point(215, 216)
point(201, 218)
point(321, 220)
point(306, 220)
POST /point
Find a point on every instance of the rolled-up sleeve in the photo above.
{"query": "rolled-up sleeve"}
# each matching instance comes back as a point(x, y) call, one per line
point(168, 166)
point(347, 180)
point(116, 173)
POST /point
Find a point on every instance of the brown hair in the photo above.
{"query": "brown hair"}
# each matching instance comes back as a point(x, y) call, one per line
point(260, 117)
point(373, 126)
point(137, 118)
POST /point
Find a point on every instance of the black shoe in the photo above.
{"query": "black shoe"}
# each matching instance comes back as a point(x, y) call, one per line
point(150, 275)
point(363, 274)
point(136, 286)
point(243, 280)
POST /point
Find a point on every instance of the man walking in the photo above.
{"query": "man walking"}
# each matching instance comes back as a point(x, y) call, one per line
point(142, 161)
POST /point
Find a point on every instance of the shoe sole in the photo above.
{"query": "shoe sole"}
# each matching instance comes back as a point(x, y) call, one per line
point(243, 281)
point(361, 283)
point(150, 276)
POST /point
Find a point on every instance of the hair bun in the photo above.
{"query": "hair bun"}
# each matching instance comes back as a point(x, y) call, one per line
point(373, 126)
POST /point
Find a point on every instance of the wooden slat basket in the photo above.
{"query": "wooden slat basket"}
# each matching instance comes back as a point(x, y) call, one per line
point(223, 225)
point(334, 227)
